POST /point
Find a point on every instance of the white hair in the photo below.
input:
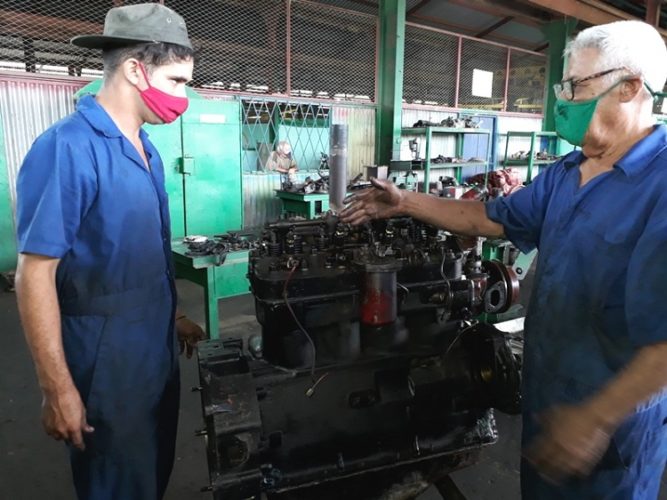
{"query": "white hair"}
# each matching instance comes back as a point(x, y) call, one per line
point(283, 147)
point(634, 45)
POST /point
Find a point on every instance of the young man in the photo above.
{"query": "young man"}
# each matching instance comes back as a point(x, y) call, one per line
point(595, 361)
point(95, 282)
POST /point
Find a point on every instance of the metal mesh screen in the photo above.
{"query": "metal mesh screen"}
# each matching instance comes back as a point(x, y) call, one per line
point(332, 52)
point(483, 68)
point(34, 36)
point(305, 126)
point(526, 86)
point(242, 44)
point(366, 6)
point(429, 73)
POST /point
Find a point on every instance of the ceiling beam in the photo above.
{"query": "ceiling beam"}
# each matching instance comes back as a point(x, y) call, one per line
point(653, 12)
point(499, 8)
point(418, 6)
point(465, 30)
point(590, 11)
point(367, 3)
point(494, 27)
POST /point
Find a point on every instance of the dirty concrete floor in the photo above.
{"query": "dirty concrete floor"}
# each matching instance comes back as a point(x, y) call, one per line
point(33, 466)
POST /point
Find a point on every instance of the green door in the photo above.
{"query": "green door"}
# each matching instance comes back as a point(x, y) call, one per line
point(167, 140)
point(211, 166)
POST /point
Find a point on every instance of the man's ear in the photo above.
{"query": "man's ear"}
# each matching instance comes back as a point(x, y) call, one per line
point(630, 88)
point(132, 73)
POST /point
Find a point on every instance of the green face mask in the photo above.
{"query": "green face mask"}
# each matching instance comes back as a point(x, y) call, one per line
point(574, 117)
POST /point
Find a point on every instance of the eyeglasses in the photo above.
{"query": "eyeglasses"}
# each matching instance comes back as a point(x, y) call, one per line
point(565, 89)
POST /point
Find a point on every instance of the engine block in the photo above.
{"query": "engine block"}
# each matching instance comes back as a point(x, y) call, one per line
point(370, 358)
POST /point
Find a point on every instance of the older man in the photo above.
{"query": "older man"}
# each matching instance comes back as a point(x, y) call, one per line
point(596, 342)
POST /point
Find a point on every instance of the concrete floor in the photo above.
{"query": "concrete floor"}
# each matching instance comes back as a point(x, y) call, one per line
point(33, 466)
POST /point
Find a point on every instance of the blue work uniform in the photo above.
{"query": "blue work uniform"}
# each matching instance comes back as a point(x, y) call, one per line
point(599, 297)
point(85, 196)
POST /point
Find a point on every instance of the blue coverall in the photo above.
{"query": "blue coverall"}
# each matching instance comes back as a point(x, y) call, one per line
point(600, 295)
point(85, 196)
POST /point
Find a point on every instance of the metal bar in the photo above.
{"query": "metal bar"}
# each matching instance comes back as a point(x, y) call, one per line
point(523, 14)
point(558, 32)
point(540, 48)
point(390, 94)
point(418, 6)
point(427, 160)
point(590, 11)
point(531, 160)
point(339, 9)
point(211, 304)
point(7, 244)
point(288, 47)
point(653, 12)
point(377, 59)
point(507, 78)
point(438, 30)
point(494, 27)
point(449, 109)
point(337, 167)
point(458, 72)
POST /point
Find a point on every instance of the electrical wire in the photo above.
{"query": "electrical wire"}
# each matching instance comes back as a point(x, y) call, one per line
point(296, 320)
point(458, 336)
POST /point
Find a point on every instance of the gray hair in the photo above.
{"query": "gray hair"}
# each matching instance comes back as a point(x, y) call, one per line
point(634, 45)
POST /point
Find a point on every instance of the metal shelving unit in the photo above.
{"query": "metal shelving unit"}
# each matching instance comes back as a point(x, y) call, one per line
point(530, 162)
point(459, 134)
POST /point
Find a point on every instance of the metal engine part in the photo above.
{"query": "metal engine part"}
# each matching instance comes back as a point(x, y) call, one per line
point(370, 359)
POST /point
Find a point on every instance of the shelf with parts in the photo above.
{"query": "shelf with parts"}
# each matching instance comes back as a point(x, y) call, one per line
point(459, 134)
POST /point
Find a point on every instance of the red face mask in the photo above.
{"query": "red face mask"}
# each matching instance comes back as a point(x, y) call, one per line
point(165, 106)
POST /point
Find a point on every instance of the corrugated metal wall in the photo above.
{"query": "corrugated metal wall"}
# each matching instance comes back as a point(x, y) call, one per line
point(260, 204)
point(440, 143)
point(361, 135)
point(27, 108)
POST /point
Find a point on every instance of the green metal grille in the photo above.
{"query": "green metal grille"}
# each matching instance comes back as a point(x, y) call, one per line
point(305, 126)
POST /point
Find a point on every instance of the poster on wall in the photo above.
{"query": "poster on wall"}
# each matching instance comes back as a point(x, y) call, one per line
point(482, 83)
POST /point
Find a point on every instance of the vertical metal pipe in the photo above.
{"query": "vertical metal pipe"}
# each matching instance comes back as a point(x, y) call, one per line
point(288, 48)
point(507, 78)
point(458, 72)
point(337, 167)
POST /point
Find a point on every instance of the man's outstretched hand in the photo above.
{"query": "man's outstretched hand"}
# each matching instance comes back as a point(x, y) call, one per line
point(381, 201)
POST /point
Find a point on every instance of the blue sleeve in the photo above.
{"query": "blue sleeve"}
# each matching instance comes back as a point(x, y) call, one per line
point(56, 185)
point(522, 213)
point(646, 286)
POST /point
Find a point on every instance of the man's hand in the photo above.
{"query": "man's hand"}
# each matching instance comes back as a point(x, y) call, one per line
point(381, 201)
point(189, 333)
point(64, 417)
point(573, 440)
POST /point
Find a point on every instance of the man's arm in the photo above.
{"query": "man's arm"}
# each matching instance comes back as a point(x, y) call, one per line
point(63, 413)
point(642, 378)
point(386, 200)
point(467, 218)
point(574, 438)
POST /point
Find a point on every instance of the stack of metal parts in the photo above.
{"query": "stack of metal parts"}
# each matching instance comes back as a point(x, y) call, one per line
point(219, 245)
point(369, 361)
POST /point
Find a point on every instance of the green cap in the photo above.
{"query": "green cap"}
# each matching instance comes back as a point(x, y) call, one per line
point(134, 24)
